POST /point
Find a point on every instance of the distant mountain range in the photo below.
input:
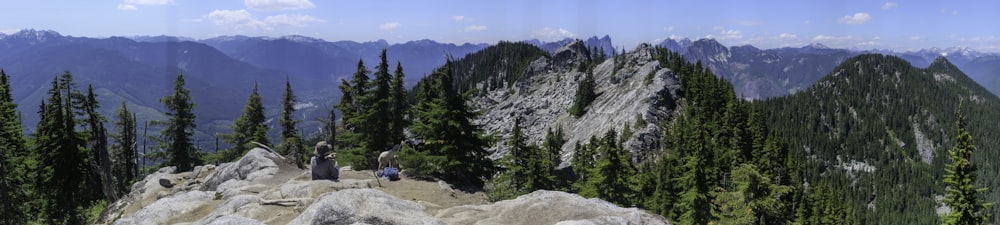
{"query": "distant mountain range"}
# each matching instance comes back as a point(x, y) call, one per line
point(758, 74)
point(220, 71)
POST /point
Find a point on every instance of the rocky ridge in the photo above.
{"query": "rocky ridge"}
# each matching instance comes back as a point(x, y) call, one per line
point(545, 92)
point(264, 188)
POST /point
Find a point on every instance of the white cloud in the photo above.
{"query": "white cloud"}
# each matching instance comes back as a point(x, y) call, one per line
point(130, 5)
point(747, 23)
point(389, 26)
point(126, 7)
point(916, 38)
point(239, 18)
point(949, 11)
point(857, 18)
point(551, 34)
point(868, 43)
point(889, 5)
point(807, 22)
point(676, 37)
point(730, 35)
point(278, 4)
point(827, 38)
point(979, 39)
point(718, 28)
point(473, 28)
point(149, 2)
point(291, 20)
point(787, 36)
point(668, 29)
point(458, 18)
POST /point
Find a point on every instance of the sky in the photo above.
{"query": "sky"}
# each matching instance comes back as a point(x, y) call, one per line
point(895, 25)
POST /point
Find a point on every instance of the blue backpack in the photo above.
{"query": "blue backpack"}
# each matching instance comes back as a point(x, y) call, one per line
point(391, 172)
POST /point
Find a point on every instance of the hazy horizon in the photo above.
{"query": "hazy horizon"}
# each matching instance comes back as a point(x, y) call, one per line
point(897, 26)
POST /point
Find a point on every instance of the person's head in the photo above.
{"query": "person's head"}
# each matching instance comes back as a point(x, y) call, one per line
point(322, 148)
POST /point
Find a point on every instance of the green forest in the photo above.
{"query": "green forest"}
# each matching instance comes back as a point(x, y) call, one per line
point(871, 110)
point(724, 160)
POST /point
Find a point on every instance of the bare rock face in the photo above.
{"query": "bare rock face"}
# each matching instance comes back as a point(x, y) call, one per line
point(257, 164)
point(364, 206)
point(548, 207)
point(571, 55)
point(168, 209)
point(638, 89)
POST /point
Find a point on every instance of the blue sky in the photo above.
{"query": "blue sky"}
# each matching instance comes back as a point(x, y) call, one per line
point(896, 25)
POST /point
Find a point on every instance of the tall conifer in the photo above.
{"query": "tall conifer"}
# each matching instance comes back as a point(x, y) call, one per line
point(180, 150)
point(963, 196)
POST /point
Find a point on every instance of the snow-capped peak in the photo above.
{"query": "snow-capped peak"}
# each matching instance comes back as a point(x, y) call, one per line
point(816, 46)
point(37, 35)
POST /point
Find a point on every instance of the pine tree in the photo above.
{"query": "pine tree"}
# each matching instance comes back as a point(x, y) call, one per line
point(12, 154)
point(753, 198)
point(98, 139)
point(355, 108)
point(291, 140)
point(249, 127)
point(963, 195)
point(400, 106)
point(379, 114)
point(607, 180)
point(695, 202)
point(177, 135)
point(62, 156)
point(517, 158)
point(445, 121)
point(584, 96)
point(331, 128)
point(124, 150)
point(554, 142)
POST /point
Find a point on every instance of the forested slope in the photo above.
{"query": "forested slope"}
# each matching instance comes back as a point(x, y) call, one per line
point(879, 129)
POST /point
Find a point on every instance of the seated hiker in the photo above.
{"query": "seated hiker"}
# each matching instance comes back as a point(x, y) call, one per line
point(324, 163)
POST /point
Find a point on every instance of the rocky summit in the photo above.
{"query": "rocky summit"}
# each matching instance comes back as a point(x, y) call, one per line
point(631, 87)
point(265, 188)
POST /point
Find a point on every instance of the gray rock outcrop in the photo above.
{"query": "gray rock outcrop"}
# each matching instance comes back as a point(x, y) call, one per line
point(364, 206)
point(542, 100)
point(548, 207)
point(256, 164)
point(263, 189)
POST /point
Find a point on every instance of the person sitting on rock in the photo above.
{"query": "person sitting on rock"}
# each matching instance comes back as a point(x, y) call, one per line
point(324, 163)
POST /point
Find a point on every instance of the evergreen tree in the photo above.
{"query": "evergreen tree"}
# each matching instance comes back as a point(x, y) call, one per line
point(379, 114)
point(124, 150)
point(752, 199)
point(356, 109)
point(180, 126)
point(963, 195)
point(695, 200)
point(443, 119)
point(554, 142)
point(249, 127)
point(291, 140)
point(584, 96)
point(608, 179)
point(12, 153)
point(98, 139)
point(517, 158)
point(331, 128)
point(515, 180)
point(62, 156)
point(400, 105)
